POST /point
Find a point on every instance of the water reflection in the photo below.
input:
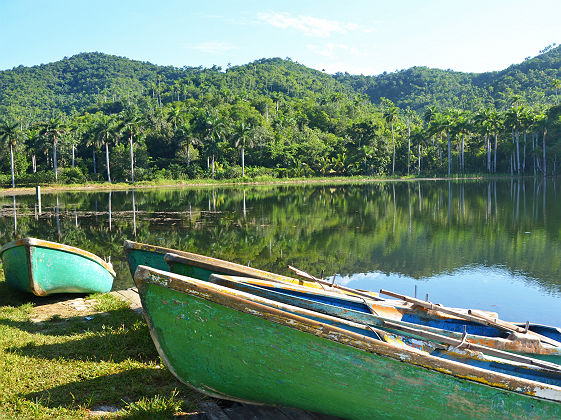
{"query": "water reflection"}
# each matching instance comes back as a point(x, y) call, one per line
point(15, 216)
point(134, 215)
point(425, 232)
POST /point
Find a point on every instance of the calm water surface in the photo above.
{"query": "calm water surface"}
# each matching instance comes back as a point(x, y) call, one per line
point(491, 245)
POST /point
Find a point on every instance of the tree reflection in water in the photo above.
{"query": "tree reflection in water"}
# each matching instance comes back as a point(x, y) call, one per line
point(416, 230)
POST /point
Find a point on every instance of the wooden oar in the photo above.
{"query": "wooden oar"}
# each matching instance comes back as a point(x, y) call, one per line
point(334, 285)
point(426, 334)
point(479, 319)
point(472, 346)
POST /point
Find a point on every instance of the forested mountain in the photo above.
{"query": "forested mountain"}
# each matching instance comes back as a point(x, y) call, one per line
point(278, 117)
point(77, 83)
point(74, 84)
point(419, 87)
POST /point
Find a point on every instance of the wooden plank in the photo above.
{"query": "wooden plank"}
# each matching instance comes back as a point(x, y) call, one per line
point(212, 410)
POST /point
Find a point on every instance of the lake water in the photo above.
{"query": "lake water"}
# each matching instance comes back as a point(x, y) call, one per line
point(491, 245)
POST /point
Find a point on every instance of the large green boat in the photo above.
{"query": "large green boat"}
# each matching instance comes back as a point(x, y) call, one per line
point(200, 267)
point(234, 345)
point(399, 318)
point(43, 268)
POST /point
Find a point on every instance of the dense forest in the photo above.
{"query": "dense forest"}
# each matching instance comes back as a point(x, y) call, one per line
point(96, 117)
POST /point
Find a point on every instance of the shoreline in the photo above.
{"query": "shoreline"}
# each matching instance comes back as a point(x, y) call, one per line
point(230, 183)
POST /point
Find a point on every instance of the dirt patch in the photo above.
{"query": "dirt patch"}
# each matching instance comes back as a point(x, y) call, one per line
point(62, 306)
point(63, 309)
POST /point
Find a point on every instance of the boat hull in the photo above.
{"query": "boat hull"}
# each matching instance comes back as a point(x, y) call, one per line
point(44, 268)
point(229, 347)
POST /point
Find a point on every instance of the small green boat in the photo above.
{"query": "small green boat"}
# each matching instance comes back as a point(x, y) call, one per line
point(43, 268)
point(230, 344)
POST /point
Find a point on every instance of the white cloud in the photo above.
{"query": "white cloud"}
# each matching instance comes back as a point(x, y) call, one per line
point(309, 25)
point(213, 47)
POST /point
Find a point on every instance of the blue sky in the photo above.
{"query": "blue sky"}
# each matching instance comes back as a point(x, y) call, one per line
point(360, 37)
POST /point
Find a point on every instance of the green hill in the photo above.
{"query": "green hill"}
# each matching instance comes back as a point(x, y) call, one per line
point(419, 87)
point(76, 83)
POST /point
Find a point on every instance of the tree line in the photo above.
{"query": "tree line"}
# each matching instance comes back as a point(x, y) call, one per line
point(271, 118)
point(217, 136)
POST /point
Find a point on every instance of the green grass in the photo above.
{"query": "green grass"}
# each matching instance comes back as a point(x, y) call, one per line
point(63, 367)
point(157, 407)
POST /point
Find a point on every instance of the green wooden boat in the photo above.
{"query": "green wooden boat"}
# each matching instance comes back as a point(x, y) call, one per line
point(43, 268)
point(403, 320)
point(234, 345)
point(437, 318)
point(200, 267)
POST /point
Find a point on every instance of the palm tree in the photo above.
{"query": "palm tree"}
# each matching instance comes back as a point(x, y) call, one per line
point(106, 129)
point(514, 119)
point(556, 84)
point(215, 129)
point(9, 133)
point(409, 118)
point(462, 125)
point(480, 120)
point(527, 123)
point(33, 144)
point(495, 122)
point(542, 122)
point(175, 116)
point(187, 139)
point(432, 117)
point(132, 124)
point(242, 134)
point(92, 139)
point(391, 113)
point(53, 130)
point(74, 136)
point(445, 122)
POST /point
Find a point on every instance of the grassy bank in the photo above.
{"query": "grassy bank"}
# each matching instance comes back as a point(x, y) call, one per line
point(160, 183)
point(65, 366)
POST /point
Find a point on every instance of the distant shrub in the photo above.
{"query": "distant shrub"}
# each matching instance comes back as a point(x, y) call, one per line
point(194, 171)
point(231, 172)
point(282, 172)
point(259, 171)
point(142, 174)
point(177, 171)
point(38, 178)
point(72, 176)
point(6, 180)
